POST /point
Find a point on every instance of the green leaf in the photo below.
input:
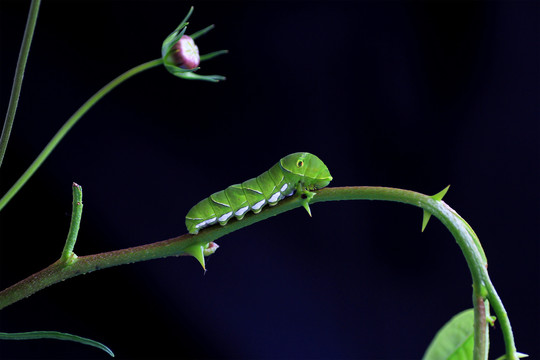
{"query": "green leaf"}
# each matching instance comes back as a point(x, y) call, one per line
point(455, 341)
point(32, 335)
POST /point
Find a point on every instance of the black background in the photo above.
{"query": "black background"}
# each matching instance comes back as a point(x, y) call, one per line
point(414, 95)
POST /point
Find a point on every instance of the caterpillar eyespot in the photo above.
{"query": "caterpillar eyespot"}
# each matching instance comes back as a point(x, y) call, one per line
point(299, 169)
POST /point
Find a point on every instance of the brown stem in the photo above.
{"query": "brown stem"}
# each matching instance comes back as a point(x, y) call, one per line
point(59, 271)
point(481, 340)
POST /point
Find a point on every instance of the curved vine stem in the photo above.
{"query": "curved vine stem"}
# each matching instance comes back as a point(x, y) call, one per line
point(70, 123)
point(19, 74)
point(483, 289)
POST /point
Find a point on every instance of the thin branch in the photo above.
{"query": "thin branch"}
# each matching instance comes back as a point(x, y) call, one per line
point(176, 246)
point(19, 74)
point(76, 214)
point(70, 123)
point(504, 321)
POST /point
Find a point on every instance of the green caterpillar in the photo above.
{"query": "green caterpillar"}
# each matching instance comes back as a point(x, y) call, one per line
point(298, 172)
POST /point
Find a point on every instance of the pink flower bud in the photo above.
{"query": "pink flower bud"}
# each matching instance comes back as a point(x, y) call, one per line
point(185, 53)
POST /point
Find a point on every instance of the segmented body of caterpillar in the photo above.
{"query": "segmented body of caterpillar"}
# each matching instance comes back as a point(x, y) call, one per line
point(299, 171)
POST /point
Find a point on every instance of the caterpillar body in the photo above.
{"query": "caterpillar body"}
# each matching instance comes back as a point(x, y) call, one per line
point(295, 172)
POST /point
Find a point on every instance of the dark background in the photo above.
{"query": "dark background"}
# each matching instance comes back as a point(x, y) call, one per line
point(413, 95)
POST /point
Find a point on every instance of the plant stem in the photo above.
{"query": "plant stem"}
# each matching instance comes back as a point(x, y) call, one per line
point(504, 321)
point(481, 333)
point(76, 214)
point(19, 74)
point(69, 124)
point(175, 246)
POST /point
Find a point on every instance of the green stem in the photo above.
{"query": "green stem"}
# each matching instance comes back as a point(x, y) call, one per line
point(19, 74)
point(69, 124)
point(76, 214)
point(33, 335)
point(176, 246)
point(504, 321)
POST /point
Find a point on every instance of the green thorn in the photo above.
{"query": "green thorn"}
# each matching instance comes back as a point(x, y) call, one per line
point(425, 220)
point(440, 194)
point(305, 204)
point(197, 251)
point(306, 196)
point(518, 354)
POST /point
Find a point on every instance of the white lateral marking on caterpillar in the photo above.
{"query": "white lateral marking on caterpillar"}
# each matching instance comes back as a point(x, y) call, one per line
point(211, 221)
point(206, 223)
point(258, 205)
point(225, 217)
point(255, 191)
point(241, 211)
point(194, 218)
point(283, 168)
point(220, 203)
point(274, 197)
point(284, 187)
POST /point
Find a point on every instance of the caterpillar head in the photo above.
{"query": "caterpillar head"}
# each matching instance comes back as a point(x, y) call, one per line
point(306, 168)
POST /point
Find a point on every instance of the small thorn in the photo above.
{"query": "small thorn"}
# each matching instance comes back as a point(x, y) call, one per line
point(197, 251)
point(306, 196)
point(305, 204)
point(425, 220)
point(518, 354)
point(440, 195)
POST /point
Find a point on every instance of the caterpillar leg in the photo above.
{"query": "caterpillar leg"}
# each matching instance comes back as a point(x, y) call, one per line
point(305, 196)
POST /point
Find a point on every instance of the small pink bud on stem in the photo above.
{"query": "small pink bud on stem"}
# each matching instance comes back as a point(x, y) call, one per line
point(181, 56)
point(185, 53)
